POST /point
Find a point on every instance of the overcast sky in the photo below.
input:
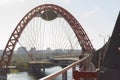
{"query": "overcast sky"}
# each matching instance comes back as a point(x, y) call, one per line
point(97, 17)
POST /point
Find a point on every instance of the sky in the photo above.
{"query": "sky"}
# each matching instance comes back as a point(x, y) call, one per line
point(97, 17)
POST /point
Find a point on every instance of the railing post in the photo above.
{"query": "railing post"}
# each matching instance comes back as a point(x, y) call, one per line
point(73, 68)
point(64, 75)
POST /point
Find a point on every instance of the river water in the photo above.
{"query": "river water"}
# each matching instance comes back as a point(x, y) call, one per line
point(26, 76)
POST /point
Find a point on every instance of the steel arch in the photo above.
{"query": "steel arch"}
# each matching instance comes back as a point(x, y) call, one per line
point(77, 28)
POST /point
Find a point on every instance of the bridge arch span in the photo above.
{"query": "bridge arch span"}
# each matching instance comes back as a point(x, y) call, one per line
point(76, 27)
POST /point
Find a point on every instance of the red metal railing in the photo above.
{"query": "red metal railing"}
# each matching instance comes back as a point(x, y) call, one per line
point(77, 75)
point(64, 70)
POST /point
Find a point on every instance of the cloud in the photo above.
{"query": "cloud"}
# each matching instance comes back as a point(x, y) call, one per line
point(66, 1)
point(7, 2)
point(3, 2)
point(91, 12)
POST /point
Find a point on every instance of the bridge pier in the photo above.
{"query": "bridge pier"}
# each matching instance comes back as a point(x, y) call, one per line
point(3, 77)
point(37, 70)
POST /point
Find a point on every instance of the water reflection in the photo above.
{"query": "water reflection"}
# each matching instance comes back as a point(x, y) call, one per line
point(26, 76)
point(20, 76)
point(52, 70)
point(58, 68)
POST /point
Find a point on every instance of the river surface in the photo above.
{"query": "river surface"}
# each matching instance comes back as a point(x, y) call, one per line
point(26, 76)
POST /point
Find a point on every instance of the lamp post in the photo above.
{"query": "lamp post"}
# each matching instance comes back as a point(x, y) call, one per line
point(100, 57)
point(103, 37)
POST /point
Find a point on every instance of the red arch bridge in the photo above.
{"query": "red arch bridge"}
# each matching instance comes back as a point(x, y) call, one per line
point(52, 27)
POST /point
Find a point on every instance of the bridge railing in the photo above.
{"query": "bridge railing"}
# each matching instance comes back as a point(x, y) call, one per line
point(64, 70)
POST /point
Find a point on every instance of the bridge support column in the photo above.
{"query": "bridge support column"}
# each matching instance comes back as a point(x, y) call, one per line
point(36, 70)
point(3, 77)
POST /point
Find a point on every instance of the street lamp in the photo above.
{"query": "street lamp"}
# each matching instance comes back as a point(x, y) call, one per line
point(104, 37)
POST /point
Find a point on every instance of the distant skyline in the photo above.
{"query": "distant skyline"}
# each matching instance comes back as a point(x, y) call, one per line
point(97, 17)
